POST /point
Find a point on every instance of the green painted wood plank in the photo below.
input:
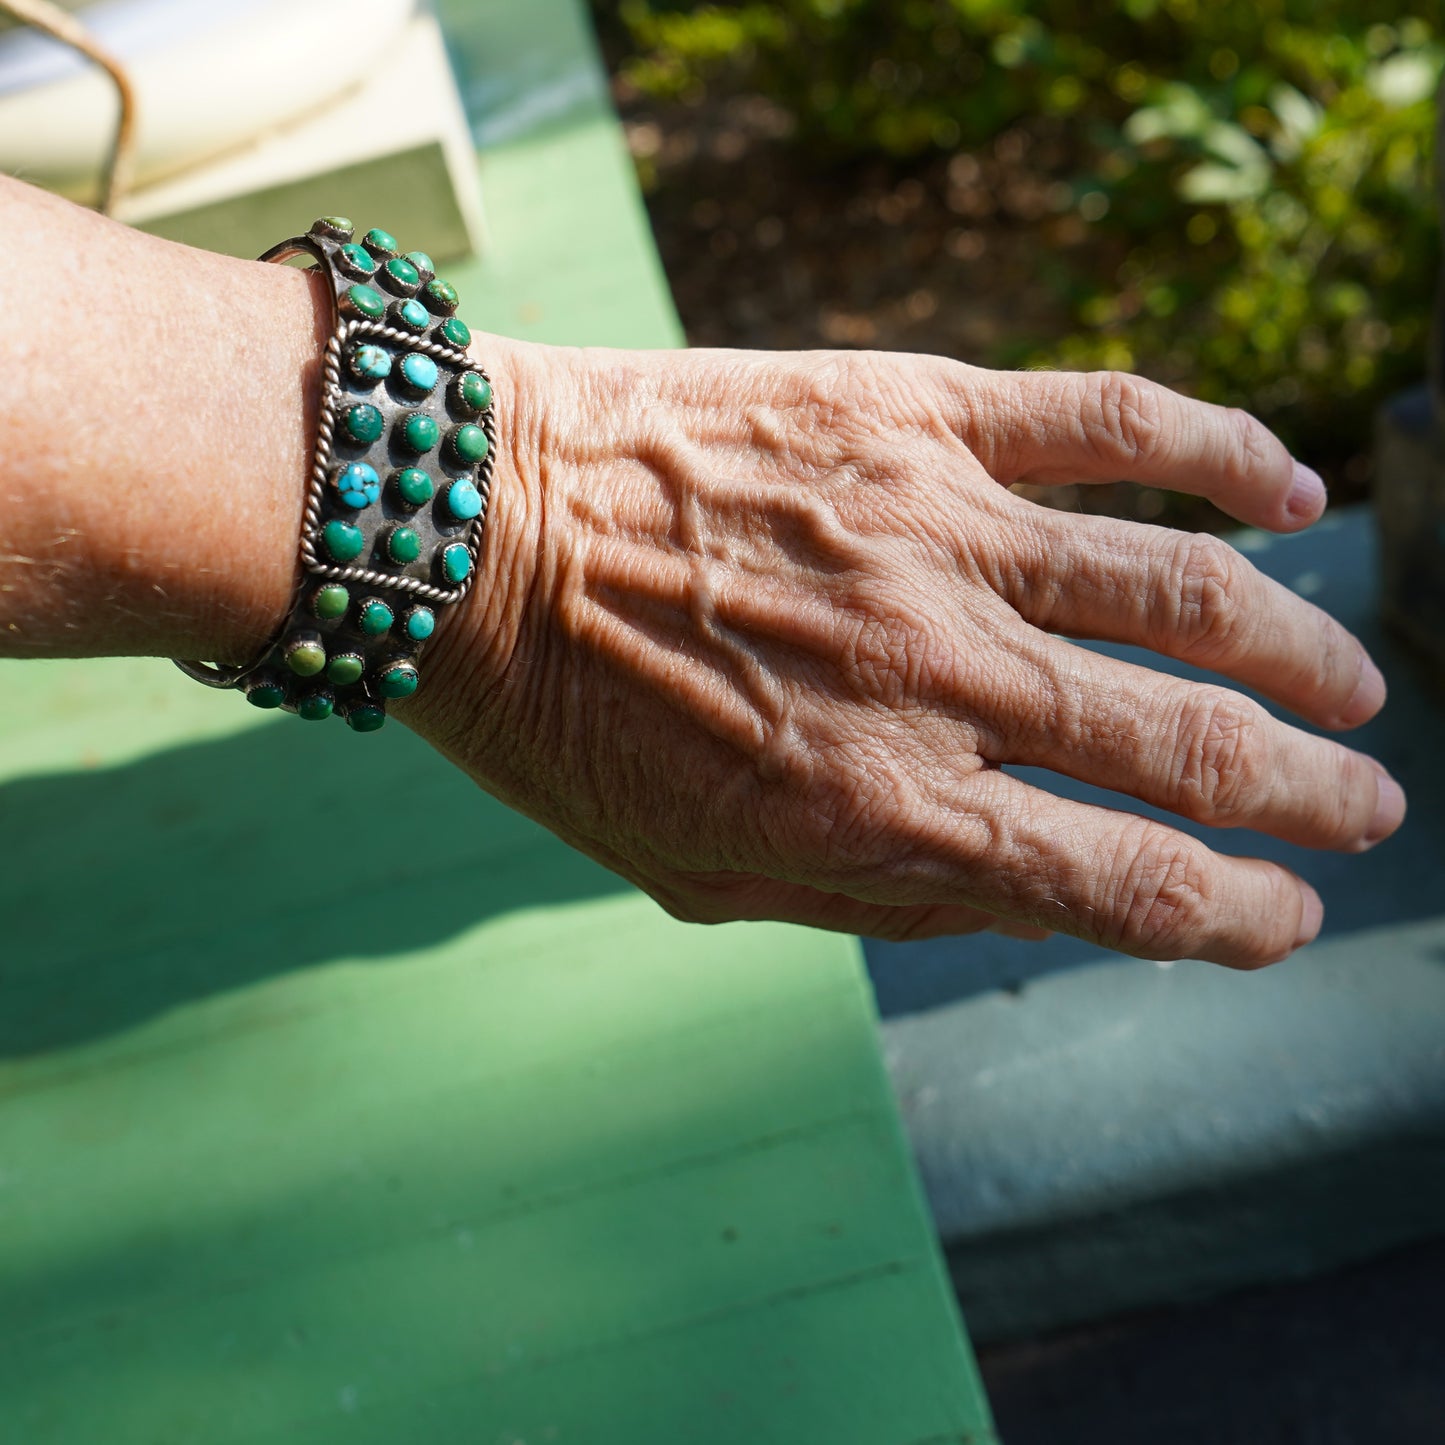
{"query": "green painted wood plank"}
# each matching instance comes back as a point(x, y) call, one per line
point(474, 1150)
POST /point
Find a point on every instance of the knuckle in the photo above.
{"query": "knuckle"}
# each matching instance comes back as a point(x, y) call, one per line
point(1205, 583)
point(1162, 903)
point(1250, 447)
point(1221, 760)
point(1123, 415)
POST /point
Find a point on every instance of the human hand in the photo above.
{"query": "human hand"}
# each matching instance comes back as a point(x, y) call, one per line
point(759, 631)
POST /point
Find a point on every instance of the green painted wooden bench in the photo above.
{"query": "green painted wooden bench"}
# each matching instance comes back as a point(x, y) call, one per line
point(491, 1152)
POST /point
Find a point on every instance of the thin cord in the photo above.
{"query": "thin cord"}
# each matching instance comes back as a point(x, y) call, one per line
point(49, 17)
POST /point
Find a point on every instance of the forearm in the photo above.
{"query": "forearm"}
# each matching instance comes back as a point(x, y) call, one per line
point(156, 424)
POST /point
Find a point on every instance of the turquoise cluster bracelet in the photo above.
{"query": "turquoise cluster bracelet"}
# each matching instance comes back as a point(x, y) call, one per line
point(398, 491)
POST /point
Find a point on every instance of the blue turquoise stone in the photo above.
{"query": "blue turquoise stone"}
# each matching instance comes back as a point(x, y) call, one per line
point(420, 622)
point(398, 680)
point(411, 315)
point(370, 363)
point(464, 501)
point(375, 618)
point(419, 371)
point(358, 485)
point(469, 442)
point(456, 563)
point(418, 432)
point(363, 301)
point(357, 259)
point(343, 541)
point(362, 423)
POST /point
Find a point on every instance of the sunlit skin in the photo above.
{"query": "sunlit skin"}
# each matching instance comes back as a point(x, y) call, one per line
point(756, 630)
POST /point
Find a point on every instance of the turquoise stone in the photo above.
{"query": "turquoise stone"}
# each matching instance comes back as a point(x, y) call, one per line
point(440, 296)
point(362, 423)
point(362, 301)
point(456, 563)
point(469, 442)
point(316, 706)
point(419, 371)
point(420, 622)
point(474, 391)
point(306, 657)
point(456, 331)
point(345, 668)
point(366, 717)
point(266, 692)
point(357, 259)
point(370, 363)
point(398, 680)
point(401, 274)
point(380, 243)
point(419, 432)
point(414, 486)
point(375, 618)
point(411, 315)
point(464, 501)
point(423, 264)
point(331, 601)
point(343, 541)
point(332, 225)
point(358, 485)
point(403, 545)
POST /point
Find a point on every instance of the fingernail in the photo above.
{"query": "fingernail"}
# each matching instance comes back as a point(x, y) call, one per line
point(1369, 694)
point(1306, 498)
point(1389, 808)
point(1311, 916)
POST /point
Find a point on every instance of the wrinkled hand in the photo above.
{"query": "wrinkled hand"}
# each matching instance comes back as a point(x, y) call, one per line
point(760, 631)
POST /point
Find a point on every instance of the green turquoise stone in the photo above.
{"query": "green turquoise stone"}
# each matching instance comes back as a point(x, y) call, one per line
point(316, 706)
point(331, 601)
point(474, 391)
point(399, 680)
point(327, 225)
point(456, 563)
point(363, 423)
point(365, 718)
point(306, 658)
point(419, 371)
point(414, 486)
point(380, 243)
point(343, 541)
point(411, 315)
point(402, 273)
point(266, 693)
point(375, 618)
point(403, 545)
point(370, 363)
point(464, 501)
point(420, 622)
point(363, 301)
point(345, 668)
point(455, 330)
point(357, 259)
point(419, 432)
point(439, 296)
point(469, 442)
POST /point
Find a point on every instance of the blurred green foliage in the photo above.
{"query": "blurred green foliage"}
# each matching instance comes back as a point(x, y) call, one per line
point(1258, 170)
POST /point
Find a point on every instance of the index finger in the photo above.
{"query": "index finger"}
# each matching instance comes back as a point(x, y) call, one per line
point(1051, 428)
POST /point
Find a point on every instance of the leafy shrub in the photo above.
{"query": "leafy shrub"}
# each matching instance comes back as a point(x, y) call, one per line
point(1258, 169)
